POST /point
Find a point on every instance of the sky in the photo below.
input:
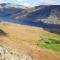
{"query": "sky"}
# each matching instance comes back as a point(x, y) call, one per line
point(31, 3)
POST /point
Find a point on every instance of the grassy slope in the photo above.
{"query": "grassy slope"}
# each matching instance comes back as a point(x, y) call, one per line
point(46, 37)
point(24, 38)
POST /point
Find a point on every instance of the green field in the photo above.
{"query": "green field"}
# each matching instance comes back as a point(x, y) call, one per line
point(50, 42)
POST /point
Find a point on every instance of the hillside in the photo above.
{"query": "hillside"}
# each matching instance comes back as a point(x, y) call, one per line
point(23, 39)
point(29, 33)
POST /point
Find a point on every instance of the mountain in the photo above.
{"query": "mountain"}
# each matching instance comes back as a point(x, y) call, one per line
point(29, 33)
point(48, 14)
point(43, 13)
point(45, 16)
point(10, 9)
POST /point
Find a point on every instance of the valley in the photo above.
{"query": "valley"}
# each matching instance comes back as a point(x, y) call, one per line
point(29, 33)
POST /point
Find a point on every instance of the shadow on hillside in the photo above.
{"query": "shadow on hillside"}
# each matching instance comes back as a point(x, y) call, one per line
point(44, 12)
point(9, 11)
point(53, 28)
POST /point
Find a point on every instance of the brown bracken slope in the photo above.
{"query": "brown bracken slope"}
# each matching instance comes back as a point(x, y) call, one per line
point(23, 39)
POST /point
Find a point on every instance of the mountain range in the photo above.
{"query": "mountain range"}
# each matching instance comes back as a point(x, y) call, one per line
point(46, 16)
point(29, 33)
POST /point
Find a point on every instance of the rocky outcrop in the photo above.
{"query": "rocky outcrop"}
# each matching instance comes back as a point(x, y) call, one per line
point(8, 54)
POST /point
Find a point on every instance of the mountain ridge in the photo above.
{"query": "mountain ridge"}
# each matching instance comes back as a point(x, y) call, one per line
point(45, 16)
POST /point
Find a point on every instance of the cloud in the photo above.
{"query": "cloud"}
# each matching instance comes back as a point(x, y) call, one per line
point(2, 1)
point(23, 0)
point(52, 2)
point(38, 2)
point(31, 3)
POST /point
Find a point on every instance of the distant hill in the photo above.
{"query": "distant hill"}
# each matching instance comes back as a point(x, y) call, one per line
point(10, 9)
point(45, 13)
point(46, 16)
